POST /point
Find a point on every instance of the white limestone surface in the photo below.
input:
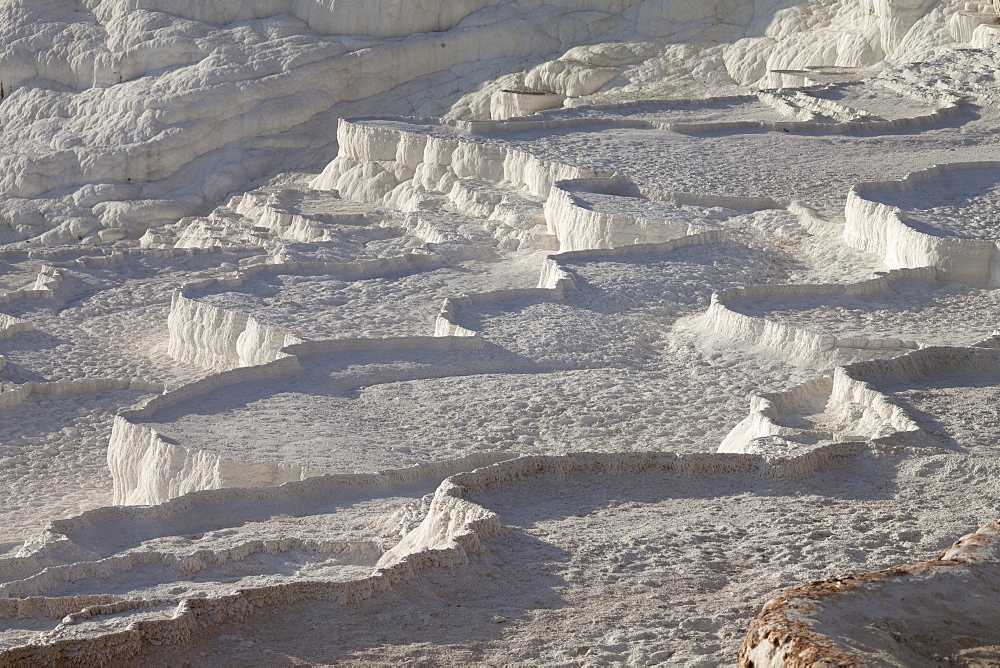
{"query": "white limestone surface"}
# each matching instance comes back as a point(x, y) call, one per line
point(586, 558)
point(605, 213)
point(232, 429)
point(145, 142)
point(219, 300)
point(385, 19)
point(115, 106)
point(90, 579)
point(848, 322)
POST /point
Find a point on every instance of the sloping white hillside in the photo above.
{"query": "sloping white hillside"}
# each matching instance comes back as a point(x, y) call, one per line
point(122, 115)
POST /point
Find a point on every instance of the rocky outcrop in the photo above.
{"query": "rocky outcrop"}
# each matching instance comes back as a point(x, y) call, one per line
point(409, 166)
point(920, 614)
point(580, 227)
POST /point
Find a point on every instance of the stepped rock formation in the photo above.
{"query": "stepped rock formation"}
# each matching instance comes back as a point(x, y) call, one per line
point(339, 331)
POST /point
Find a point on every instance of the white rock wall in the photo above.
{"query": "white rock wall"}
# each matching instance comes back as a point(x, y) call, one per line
point(723, 318)
point(852, 405)
point(881, 229)
point(146, 468)
point(378, 18)
point(578, 227)
point(220, 339)
point(867, 411)
point(266, 212)
point(381, 18)
point(506, 104)
point(400, 167)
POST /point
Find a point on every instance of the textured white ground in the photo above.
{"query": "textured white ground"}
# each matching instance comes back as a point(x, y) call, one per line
point(634, 568)
point(959, 408)
point(326, 306)
point(959, 203)
point(169, 209)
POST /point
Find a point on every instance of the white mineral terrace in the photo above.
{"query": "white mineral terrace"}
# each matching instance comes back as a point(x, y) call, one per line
point(837, 322)
point(906, 399)
point(573, 332)
point(941, 217)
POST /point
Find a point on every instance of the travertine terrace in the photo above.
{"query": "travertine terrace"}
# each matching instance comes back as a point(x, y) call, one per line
point(571, 332)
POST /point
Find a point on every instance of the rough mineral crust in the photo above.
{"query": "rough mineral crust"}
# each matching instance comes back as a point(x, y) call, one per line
point(336, 331)
point(933, 612)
